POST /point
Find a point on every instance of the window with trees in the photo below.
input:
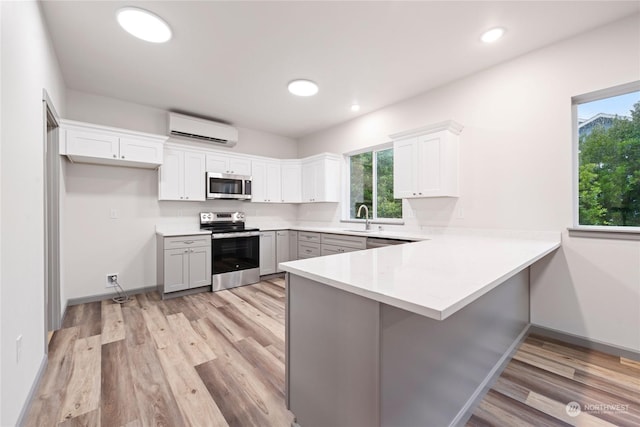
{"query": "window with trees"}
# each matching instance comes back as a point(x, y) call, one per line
point(371, 184)
point(608, 143)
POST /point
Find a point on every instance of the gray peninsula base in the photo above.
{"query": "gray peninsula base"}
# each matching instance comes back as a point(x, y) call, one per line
point(356, 362)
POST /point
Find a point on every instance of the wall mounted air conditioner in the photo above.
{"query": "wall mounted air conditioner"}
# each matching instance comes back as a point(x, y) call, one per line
point(193, 128)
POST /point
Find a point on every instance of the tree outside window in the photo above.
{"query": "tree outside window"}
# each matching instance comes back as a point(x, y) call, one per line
point(371, 184)
point(609, 161)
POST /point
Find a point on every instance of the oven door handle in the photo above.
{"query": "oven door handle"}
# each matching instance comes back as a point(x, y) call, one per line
point(215, 236)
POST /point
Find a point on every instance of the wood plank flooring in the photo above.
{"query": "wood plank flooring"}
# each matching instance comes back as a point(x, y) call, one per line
point(217, 359)
point(545, 375)
point(205, 360)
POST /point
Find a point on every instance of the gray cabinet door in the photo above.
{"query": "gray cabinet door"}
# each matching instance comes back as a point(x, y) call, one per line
point(293, 245)
point(199, 267)
point(283, 253)
point(267, 252)
point(176, 270)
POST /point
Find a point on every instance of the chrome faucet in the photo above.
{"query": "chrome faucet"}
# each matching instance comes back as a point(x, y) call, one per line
point(367, 222)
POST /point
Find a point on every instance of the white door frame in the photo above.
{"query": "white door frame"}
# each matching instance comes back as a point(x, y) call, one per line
point(52, 315)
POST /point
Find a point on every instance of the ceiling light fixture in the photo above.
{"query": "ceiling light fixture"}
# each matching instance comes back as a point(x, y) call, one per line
point(303, 87)
point(143, 24)
point(492, 35)
point(355, 107)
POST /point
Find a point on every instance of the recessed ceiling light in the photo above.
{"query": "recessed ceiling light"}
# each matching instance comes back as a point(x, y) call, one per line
point(144, 24)
point(303, 87)
point(492, 35)
point(355, 107)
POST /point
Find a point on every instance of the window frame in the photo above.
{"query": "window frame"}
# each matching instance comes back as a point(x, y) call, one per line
point(601, 231)
point(346, 193)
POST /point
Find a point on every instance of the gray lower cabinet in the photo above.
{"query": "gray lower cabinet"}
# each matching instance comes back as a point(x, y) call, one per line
point(283, 253)
point(293, 245)
point(184, 262)
point(267, 252)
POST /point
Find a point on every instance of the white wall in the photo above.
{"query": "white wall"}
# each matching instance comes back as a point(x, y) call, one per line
point(516, 172)
point(28, 65)
point(96, 245)
point(107, 111)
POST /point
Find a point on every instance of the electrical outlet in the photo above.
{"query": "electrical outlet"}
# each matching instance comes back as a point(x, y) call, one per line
point(114, 214)
point(111, 280)
point(18, 348)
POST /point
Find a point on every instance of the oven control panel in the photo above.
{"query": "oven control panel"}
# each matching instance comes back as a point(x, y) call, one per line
point(210, 217)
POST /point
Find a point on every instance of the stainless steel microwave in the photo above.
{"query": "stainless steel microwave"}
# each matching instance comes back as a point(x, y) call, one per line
point(228, 186)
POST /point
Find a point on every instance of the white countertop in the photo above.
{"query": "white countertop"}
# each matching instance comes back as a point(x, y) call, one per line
point(354, 231)
point(434, 278)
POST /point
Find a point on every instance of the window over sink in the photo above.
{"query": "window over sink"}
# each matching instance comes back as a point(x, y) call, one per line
point(370, 175)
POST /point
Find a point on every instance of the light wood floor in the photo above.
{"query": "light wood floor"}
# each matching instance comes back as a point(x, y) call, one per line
point(217, 359)
point(206, 360)
point(545, 375)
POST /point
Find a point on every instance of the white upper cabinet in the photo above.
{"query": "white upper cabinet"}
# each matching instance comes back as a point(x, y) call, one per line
point(266, 181)
point(88, 143)
point(321, 178)
point(425, 161)
point(291, 174)
point(182, 176)
point(222, 163)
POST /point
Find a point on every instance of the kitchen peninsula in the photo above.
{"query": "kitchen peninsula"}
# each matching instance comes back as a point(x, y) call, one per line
point(405, 335)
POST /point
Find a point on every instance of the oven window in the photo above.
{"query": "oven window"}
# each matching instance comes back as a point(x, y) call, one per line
point(225, 186)
point(233, 254)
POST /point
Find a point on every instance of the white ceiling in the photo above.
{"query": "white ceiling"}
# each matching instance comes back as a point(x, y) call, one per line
point(232, 61)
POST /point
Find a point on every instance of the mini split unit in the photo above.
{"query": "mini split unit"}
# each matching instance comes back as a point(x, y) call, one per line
point(193, 128)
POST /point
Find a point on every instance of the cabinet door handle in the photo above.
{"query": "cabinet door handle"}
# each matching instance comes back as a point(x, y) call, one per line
point(181, 197)
point(308, 251)
point(188, 242)
point(186, 250)
point(191, 250)
point(123, 157)
point(114, 156)
point(187, 197)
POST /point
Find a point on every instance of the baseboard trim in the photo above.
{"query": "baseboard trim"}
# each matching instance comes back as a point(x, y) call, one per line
point(585, 342)
point(32, 391)
point(94, 298)
point(467, 410)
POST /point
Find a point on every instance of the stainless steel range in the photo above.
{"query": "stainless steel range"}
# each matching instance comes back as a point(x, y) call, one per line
point(235, 249)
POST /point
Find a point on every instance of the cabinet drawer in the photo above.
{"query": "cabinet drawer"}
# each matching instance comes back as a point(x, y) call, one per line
point(308, 250)
point(187, 241)
point(333, 249)
point(306, 236)
point(355, 242)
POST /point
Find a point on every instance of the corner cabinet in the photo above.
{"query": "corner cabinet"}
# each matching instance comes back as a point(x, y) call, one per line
point(425, 161)
point(182, 175)
point(184, 262)
point(321, 178)
point(90, 143)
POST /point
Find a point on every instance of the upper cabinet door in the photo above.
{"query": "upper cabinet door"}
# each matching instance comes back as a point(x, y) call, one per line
point(92, 144)
point(140, 150)
point(274, 183)
point(194, 176)
point(216, 163)
point(430, 158)
point(239, 166)
point(291, 177)
point(404, 168)
point(171, 176)
point(259, 181)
